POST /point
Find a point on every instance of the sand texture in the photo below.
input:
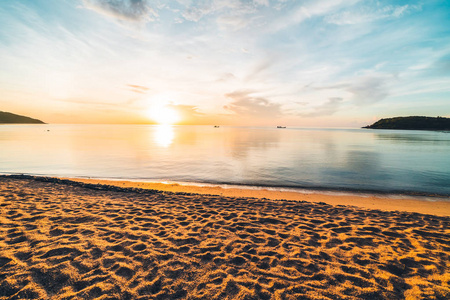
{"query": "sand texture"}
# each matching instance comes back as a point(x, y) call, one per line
point(71, 240)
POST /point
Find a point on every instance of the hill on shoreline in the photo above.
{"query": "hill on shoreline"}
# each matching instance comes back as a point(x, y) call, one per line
point(412, 123)
point(10, 118)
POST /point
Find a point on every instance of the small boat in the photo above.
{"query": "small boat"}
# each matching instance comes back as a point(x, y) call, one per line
point(216, 126)
point(281, 126)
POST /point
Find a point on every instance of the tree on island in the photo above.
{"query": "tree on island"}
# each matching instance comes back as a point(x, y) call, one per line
point(10, 118)
point(412, 123)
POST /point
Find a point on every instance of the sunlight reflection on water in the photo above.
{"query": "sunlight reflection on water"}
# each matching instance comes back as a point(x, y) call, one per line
point(163, 135)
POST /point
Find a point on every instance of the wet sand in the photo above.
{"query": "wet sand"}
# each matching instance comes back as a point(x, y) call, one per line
point(438, 206)
point(62, 239)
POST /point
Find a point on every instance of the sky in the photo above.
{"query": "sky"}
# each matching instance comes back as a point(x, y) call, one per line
point(311, 63)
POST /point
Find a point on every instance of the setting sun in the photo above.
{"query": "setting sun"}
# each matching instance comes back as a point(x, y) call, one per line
point(164, 115)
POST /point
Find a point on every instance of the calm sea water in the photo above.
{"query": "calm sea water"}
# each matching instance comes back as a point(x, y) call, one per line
point(331, 159)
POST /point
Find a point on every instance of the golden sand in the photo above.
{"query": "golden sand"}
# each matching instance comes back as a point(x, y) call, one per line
point(70, 240)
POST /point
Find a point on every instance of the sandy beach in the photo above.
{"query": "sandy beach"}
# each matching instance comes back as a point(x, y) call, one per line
point(62, 239)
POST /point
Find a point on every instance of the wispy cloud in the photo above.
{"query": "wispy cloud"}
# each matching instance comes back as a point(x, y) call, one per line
point(226, 77)
point(368, 14)
point(328, 108)
point(86, 103)
point(138, 88)
point(262, 66)
point(228, 15)
point(307, 10)
point(244, 104)
point(188, 113)
point(195, 13)
point(128, 10)
point(441, 66)
point(233, 22)
point(369, 90)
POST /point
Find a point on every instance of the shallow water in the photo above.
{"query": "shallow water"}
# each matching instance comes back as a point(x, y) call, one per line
point(391, 161)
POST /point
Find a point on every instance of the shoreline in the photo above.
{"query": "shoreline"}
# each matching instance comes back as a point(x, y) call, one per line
point(433, 205)
point(439, 206)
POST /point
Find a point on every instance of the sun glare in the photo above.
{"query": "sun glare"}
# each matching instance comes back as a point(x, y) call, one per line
point(162, 110)
point(164, 115)
point(163, 135)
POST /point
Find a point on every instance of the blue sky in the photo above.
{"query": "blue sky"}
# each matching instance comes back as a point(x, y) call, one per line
point(322, 63)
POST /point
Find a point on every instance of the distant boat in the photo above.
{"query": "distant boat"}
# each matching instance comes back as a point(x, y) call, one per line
point(281, 126)
point(216, 126)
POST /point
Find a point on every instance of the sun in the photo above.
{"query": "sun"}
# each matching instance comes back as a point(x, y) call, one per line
point(163, 115)
point(162, 108)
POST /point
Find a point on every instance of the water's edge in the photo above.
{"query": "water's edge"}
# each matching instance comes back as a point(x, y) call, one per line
point(394, 194)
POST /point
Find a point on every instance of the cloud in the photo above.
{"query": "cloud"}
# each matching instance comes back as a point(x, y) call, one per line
point(368, 14)
point(126, 10)
point(261, 2)
point(364, 90)
point(232, 14)
point(187, 111)
point(441, 66)
point(138, 88)
point(190, 115)
point(326, 109)
point(244, 104)
point(233, 23)
point(368, 90)
point(195, 13)
point(307, 10)
point(89, 102)
point(261, 67)
point(226, 77)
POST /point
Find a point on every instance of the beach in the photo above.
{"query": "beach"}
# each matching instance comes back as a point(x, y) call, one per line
point(433, 205)
point(66, 239)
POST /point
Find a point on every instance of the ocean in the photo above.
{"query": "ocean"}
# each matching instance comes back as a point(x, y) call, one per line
point(354, 160)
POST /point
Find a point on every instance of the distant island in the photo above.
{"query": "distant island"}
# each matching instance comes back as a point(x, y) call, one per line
point(10, 118)
point(412, 123)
